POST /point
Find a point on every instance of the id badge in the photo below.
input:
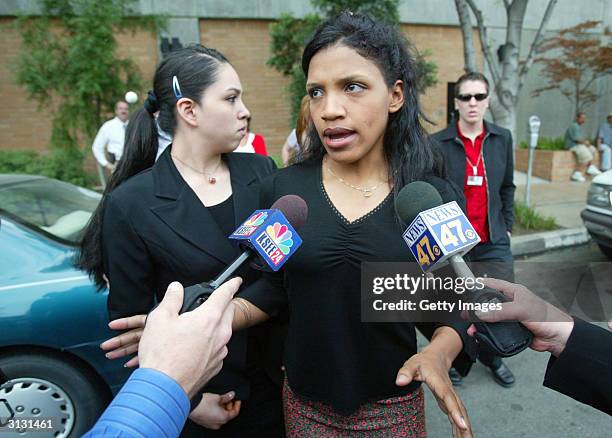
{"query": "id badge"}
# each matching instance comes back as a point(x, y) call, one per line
point(474, 180)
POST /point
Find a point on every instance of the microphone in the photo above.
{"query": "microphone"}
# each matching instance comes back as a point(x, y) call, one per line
point(440, 234)
point(270, 234)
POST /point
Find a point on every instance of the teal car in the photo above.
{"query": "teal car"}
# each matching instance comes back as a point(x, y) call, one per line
point(52, 318)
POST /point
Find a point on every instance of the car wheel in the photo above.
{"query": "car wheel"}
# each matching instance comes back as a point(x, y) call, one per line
point(46, 387)
point(606, 250)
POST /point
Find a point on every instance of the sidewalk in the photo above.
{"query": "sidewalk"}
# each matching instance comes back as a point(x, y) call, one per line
point(562, 200)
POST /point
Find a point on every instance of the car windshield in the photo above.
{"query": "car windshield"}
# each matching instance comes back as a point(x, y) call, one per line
point(56, 207)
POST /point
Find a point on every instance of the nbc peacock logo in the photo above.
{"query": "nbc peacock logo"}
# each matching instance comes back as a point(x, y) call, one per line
point(256, 220)
point(275, 242)
point(282, 236)
point(250, 225)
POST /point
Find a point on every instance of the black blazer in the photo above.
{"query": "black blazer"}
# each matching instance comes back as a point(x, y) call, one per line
point(499, 169)
point(156, 231)
point(583, 370)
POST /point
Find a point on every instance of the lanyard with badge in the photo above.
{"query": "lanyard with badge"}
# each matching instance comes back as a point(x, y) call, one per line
point(475, 179)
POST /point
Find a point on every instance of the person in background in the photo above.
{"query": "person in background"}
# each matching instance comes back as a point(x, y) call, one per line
point(297, 137)
point(252, 143)
point(577, 142)
point(604, 143)
point(107, 147)
point(479, 157)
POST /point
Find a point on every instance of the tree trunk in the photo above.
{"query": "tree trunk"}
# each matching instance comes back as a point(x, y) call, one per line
point(507, 78)
point(469, 54)
point(508, 86)
point(506, 118)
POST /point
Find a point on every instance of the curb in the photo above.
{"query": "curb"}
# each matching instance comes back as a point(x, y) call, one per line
point(540, 242)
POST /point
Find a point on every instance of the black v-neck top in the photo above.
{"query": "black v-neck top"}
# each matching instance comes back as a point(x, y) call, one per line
point(223, 214)
point(330, 355)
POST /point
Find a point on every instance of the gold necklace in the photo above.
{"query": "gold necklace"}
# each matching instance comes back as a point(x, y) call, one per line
point(365, 191)
point(211, 175)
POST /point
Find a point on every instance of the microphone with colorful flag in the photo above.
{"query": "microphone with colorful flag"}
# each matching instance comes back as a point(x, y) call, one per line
point(270, 236)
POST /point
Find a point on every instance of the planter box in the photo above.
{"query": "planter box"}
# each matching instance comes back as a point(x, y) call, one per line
point(551, 165)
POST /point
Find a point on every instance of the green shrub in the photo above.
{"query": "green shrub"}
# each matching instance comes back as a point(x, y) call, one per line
point(547, 144)
point(16, 161)
point(526, 217)
point(277, 160)
point(62, 164)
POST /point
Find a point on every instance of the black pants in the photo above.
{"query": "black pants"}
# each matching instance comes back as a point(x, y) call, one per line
point(492, 260)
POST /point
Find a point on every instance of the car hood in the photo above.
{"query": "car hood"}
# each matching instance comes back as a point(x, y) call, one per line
point(605, 178)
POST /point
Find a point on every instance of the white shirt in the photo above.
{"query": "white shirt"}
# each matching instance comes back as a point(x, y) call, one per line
point(248, 146)
point(110, 137)
point(292, 142)
point(163, 140)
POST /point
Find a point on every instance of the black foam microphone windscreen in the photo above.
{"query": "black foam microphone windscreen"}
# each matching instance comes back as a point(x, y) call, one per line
point(414, 198)
point(294, 208)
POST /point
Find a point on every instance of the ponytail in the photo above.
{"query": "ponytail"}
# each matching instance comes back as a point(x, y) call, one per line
point(141, 142)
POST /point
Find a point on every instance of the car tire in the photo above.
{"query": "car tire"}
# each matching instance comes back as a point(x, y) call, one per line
point(606, 250)
point(67, 393)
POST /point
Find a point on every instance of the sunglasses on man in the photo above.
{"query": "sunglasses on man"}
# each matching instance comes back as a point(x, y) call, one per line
point(467, 97)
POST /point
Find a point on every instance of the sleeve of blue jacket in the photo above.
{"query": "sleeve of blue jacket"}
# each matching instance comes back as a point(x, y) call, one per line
point(149, 404)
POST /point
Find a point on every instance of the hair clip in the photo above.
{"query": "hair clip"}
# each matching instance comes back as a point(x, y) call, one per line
point(176, 88)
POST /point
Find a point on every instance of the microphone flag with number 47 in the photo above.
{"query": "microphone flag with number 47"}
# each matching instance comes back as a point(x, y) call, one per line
point(439, 233)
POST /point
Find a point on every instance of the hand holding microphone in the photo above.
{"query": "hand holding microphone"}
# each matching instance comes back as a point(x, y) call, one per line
point(439, 234)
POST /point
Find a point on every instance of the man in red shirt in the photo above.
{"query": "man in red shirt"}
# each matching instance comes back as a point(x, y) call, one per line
point(479, 157)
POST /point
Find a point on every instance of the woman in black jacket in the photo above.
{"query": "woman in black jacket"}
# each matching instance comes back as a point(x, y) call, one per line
point(170, 222)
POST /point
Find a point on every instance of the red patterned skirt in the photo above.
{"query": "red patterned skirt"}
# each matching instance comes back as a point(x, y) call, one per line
point(399, 416)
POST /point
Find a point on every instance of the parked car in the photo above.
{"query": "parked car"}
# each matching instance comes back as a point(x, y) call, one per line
point(597, 216)
point(52, 318)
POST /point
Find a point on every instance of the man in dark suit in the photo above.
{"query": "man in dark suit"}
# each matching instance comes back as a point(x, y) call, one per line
point(580, 364)
point(479, 158)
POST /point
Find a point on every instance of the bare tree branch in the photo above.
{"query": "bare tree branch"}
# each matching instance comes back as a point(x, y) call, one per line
point(536, 42)
point(507, 4)
point(587, 85)
point(486, 49)
point(469, 54)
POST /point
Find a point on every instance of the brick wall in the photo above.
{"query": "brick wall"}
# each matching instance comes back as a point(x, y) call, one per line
point(551, 165)
point(446, 46)
point(246, 44)
point(22, 126)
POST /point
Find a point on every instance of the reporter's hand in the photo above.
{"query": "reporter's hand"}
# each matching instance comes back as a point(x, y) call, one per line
point(429, 368)
point(189, 347)
point(550, 326)
point(125, 343)
point(215, 410)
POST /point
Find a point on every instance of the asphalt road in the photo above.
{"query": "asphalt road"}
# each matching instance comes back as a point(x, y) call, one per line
point(528, 409)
